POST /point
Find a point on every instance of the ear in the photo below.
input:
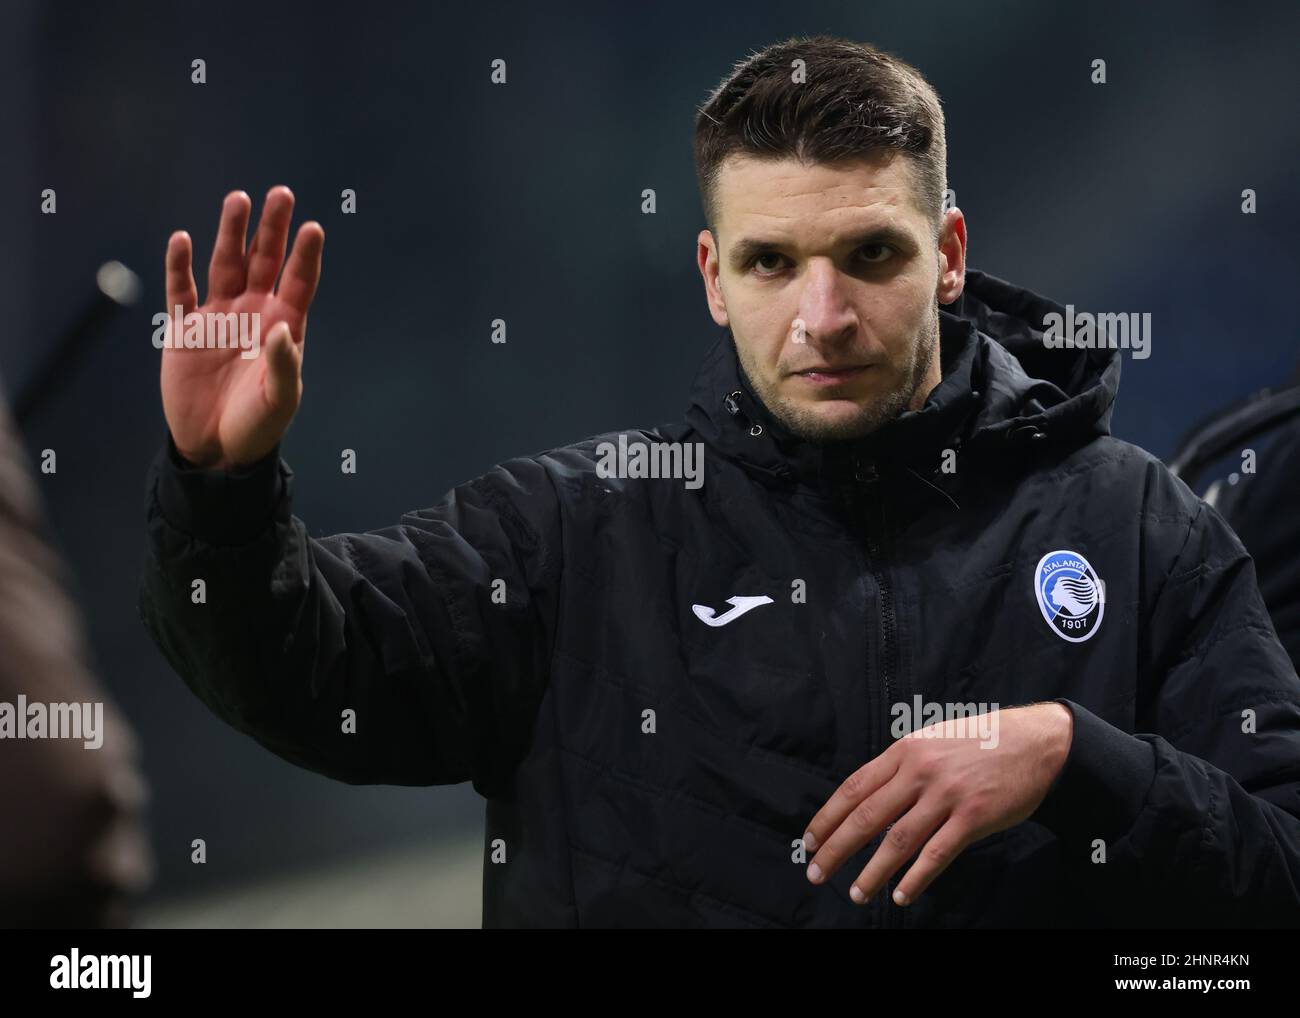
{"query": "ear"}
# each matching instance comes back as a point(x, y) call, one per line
point(952, 256)
point(707, 256)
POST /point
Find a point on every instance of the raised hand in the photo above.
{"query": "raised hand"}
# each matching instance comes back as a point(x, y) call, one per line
point(226, 409)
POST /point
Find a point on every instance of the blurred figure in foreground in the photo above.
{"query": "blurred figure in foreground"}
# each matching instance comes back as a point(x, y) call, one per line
point(73, 848)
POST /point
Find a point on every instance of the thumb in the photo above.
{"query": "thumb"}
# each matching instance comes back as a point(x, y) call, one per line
point(283, 369)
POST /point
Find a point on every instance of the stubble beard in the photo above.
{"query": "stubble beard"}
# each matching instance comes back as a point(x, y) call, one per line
point(805, 423)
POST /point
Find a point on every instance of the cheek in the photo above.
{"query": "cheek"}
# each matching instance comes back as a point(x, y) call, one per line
point(758, 355)
point(766, 352)
point(899, 324)
point(763, 336)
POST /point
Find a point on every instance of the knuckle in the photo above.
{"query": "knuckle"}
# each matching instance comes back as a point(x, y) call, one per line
point(900, 837)
point(975, 805)
point(928, 762)
point(949, 788)
point(863, 816)
point(940, 852)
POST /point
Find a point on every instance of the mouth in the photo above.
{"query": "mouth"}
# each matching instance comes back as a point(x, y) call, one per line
point(829, 376)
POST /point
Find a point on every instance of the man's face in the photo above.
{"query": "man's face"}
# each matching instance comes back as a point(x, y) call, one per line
point(829, 279)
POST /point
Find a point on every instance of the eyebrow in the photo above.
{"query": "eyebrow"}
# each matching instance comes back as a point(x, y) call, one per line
point(749, 247)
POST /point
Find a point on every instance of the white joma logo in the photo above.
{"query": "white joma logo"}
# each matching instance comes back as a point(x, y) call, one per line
point(740, 605)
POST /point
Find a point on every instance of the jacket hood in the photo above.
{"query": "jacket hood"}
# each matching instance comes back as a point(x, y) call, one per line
point(1002, 392)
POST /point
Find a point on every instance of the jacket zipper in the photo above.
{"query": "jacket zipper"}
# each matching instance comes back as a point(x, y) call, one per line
point(877, 541)
point(866, 475)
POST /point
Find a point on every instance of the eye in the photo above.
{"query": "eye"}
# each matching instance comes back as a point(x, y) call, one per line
point(755, 263)
point(878, 254)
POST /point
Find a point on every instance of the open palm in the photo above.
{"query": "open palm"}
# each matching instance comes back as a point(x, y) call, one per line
point(224, 409)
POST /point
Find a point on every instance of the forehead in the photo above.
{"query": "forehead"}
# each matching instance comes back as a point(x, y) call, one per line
point(764, 193)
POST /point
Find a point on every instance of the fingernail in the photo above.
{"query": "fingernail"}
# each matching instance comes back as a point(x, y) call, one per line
point(810, 841)
point(855, 892)
point(900, 898)
point(814, 873)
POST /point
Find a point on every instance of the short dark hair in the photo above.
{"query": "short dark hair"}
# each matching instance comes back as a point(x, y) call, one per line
point(855, 102)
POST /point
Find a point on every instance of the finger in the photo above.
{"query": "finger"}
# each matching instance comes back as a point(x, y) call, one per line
point(179, 274)
point(283, 370)
point(860, 825)
point(266, 254)
point(939, 852)
point(853, 790)
point(226, 271)
point(903, 840)
point(302, 273)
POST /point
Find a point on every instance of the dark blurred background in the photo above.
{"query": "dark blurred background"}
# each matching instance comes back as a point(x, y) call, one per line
point(522, 201)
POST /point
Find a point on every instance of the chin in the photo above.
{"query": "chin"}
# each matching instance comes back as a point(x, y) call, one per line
point(818, 422)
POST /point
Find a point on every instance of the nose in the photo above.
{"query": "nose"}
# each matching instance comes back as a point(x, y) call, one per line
point(825, 310)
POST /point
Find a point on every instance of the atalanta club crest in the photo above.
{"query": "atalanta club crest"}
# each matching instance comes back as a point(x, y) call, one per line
point(1070, 595)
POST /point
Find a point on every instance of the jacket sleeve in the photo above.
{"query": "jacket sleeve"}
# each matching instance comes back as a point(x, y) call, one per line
point(1199, 809)
point(412, 655)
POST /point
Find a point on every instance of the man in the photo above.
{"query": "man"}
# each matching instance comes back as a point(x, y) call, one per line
point(684, 702)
